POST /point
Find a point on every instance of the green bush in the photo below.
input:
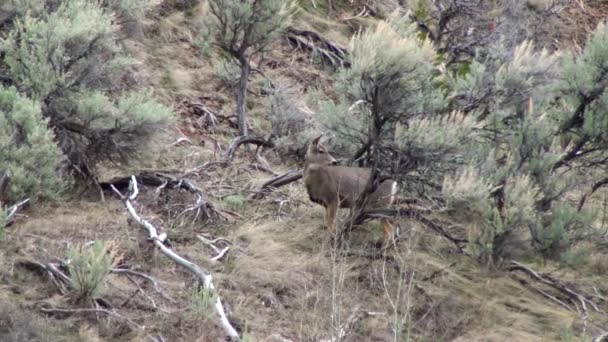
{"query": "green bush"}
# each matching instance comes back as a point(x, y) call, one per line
point(69, 60)
point(29, 150)
point(202, 301)
point(89, 268)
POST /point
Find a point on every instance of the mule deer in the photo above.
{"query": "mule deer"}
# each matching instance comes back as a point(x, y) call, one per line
point(335, 186)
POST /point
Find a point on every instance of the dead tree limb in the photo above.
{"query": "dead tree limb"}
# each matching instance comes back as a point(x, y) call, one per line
point(275, 182)
point(284, 179)
point(204, 278)
point(12, 211)
point(52, 271)
point(238, 141)
point(314, 42)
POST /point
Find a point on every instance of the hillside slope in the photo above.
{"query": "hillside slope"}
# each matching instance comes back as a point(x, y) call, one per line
point(281, 279)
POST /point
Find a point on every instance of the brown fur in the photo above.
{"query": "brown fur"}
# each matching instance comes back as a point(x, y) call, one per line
point(339, 186)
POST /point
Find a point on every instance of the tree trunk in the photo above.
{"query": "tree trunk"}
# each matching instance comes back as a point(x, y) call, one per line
point(241, 97)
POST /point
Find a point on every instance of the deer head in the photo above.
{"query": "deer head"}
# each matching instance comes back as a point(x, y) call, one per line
point(319, 154)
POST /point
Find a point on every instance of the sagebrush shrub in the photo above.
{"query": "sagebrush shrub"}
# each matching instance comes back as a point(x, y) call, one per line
point(69, 60)
point(28, 150)
point(89, 268)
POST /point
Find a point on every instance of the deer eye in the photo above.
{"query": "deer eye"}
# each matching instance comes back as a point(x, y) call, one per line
point(321, 151)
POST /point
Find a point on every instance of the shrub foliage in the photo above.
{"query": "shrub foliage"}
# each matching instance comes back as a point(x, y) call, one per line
point(497, 145)
point(67, 59)
point(29, 151)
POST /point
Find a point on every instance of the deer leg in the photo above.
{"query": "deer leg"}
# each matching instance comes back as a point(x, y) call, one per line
point(388, 230)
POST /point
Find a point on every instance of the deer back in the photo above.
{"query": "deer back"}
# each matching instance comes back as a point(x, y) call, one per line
point(326, 184)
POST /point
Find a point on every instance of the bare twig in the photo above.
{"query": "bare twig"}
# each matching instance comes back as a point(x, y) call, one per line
point(150, 279)
point(220, 252)
point(205, 279)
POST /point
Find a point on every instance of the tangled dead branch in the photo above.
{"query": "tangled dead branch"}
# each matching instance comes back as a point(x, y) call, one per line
point(202, 208)
point(315, 43)
point(55, 272)
point(568, 294)
point(204, 278)
point(205, 116)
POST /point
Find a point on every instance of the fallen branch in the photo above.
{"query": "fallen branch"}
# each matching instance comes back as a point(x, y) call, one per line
point(284, 179)
point(204, 278)
point(12, 211)
point(246, 139)
point(55, 275)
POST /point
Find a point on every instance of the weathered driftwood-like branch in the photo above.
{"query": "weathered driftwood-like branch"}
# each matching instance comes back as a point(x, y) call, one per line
point(204, 278)
point(314, 42)
point(238, 141)
point(12, 211)
point(5, 179)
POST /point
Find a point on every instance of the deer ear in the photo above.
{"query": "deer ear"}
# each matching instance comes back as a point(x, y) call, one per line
point(316, 140)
